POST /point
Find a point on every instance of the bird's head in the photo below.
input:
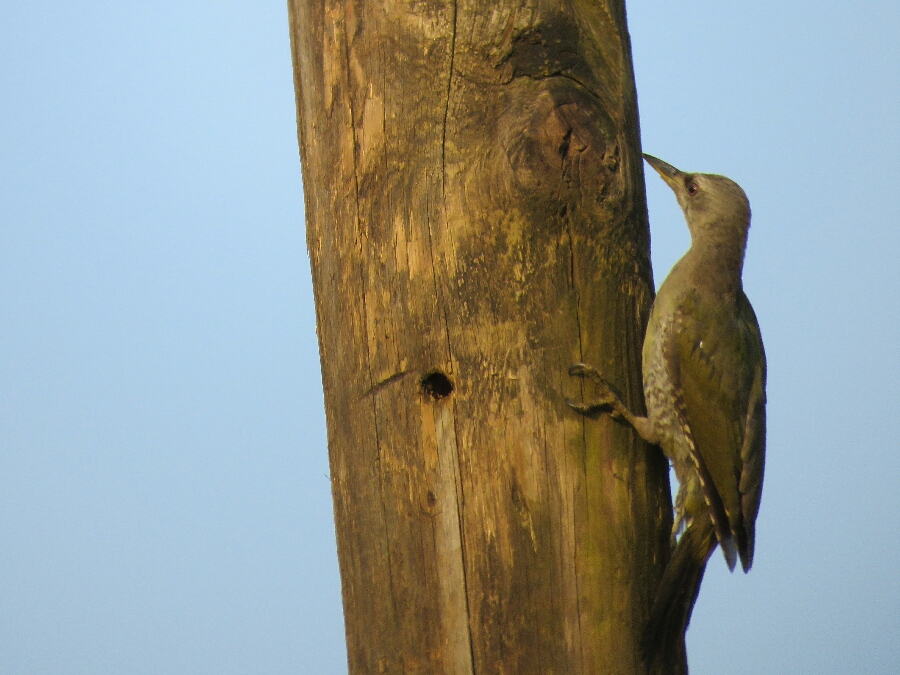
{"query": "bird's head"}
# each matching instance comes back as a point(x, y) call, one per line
point(715, 207)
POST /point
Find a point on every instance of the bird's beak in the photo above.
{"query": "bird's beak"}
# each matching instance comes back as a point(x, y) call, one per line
point(668, 172)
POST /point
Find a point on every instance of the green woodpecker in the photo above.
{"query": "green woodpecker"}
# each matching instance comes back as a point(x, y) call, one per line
point(704, 373)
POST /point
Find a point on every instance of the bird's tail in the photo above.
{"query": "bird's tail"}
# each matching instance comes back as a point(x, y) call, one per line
point(662, 642)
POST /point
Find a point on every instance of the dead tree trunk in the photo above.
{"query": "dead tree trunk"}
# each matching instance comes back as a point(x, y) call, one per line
point(477, 223)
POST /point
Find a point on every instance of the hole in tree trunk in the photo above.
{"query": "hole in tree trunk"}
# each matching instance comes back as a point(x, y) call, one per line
point(437, 385)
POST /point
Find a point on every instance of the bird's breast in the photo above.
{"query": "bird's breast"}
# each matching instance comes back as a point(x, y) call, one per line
point(660, 393)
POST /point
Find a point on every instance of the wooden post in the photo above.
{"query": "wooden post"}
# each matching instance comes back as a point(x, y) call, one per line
point(476, 224)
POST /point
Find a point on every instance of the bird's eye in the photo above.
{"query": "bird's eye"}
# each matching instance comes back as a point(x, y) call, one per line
point(693, 188)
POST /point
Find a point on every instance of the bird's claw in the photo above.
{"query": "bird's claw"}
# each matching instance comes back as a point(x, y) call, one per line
point(608, 401)
point(584, 370)
point(591, 410)
point(595, 408)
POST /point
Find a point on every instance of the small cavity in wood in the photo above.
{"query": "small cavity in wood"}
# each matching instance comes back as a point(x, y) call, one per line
point(437, 385)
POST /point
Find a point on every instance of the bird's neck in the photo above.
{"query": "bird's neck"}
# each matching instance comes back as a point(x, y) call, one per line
point(717, 263)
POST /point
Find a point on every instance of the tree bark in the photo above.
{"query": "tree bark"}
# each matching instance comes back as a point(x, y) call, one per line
point(476, 223)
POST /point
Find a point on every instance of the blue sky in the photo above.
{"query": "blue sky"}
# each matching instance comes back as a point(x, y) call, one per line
point(164, 501)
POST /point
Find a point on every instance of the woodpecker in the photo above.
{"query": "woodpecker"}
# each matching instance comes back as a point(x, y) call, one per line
point(704, 372)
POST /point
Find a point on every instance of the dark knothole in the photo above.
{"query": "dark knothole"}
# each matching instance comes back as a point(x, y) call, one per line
point(437, 385)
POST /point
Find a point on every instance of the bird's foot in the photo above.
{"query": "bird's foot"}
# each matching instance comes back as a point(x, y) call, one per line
point(607, 401)
point(610, 402)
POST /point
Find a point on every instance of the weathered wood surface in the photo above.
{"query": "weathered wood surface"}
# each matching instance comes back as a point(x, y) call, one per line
point(475, 209)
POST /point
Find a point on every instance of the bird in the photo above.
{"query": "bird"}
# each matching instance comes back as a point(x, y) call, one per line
point(704, 381)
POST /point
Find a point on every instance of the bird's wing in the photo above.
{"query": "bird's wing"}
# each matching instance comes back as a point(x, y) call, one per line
point(753, 451)
point(708, 356)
